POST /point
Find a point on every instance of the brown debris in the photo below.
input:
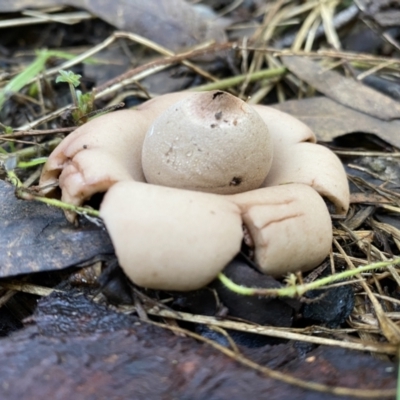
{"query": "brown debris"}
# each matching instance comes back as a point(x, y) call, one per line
point(330, 119)
point(96, 353)
point(346, 91)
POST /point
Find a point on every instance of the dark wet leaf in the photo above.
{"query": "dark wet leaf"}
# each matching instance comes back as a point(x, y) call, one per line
point(263, 311)
point(330, 307)
point(389, 87)
point(329, 119)
point(72, 313)
point(35, 237)
point(96, 353)
point(174, 24)
point(259, 310)
point(391, 220)
point(385, 13)
point(346, 91)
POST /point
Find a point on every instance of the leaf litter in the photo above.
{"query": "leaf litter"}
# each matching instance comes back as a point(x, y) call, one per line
point(343, 90)
point(330, 120)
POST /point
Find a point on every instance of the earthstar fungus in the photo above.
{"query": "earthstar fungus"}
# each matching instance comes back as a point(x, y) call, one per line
point(185, 171)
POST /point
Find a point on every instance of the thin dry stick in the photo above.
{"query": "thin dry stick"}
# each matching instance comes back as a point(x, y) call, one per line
point(327, 10)
point(133, 75)
point(7, 296)
point(28, 288)
point(39, 132)
point(166, 52)
point(350, 56)
point(262, 35)
point(289, 379)
point(313, 16)
point(156, 66)
point(67, 18)
point(272, 331)
point(389, 329)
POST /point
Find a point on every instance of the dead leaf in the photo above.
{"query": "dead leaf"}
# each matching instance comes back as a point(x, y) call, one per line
point(329, 120)
point(174, 24)
point(344, 90)
point(35, 237)
point(368, 198)
point(18, 5)
point(385, 13)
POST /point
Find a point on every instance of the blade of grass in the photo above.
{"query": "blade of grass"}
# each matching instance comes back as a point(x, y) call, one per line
point(30, 72)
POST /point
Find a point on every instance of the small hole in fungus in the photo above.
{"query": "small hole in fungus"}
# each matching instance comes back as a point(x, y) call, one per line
point(213, 125)
point(236, 181)
point(85, 146)
point(217, 94)
point(218, 115)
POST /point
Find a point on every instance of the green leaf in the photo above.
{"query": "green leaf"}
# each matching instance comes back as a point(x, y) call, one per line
point(30, 72)
point(69, 77)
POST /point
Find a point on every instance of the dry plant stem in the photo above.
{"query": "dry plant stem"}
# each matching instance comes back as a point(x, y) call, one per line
point(350, 56)
point(339, 20)
point(28, 288)
point(327, 11)
point(156, 66)
point(46, 118)
point(389, 329)
point(313, 16)
point(229, 8)
point(162, 50)
point(7, 296)
point(371, 71)
point(52, 17)
point(39, 132)
point(62, 17)
point(6, 139)
point(300, 290)
point(263, 34)
point(384, 348)
point(127, 78)
point(365, 153)
point(289, 379)
point(29, 152)
point(32, 178)
point(124, 35)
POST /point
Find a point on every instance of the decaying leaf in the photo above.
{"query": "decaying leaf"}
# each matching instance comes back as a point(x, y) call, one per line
point(74, 348)
point(34, 237)
point(329, 119)
point(174, 24)
point(346, 91)
point(385, 12)
point(18, 5)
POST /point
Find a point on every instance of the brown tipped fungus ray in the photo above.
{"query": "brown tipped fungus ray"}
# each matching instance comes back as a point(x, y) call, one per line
point(184, 171)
